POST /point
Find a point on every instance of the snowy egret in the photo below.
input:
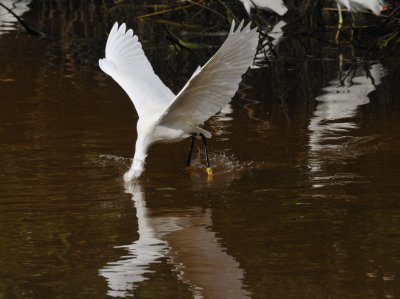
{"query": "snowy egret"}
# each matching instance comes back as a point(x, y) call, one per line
point(163, 116)
point(375, 6)
point(274, 5)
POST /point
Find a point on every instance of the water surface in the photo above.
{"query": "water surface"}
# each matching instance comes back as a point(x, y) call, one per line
point(304, 202)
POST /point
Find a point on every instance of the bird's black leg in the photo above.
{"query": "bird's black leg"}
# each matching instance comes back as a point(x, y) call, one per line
point(209, 170)
point(203, 138)
point(189, 160)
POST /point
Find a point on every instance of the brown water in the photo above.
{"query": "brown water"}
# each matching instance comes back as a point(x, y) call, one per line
point(304, 203)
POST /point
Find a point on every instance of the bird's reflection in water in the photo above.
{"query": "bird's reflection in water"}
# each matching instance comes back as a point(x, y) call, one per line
point(184, 238)
point(125, 274)
point(334, 116)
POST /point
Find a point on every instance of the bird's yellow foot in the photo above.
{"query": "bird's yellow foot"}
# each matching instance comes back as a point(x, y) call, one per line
point(209, 172)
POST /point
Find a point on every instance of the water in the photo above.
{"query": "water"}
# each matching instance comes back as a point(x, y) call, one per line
point(304, 202)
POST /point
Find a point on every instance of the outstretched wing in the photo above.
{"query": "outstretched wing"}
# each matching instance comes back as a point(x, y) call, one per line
point(212, 87)
point(127, 64)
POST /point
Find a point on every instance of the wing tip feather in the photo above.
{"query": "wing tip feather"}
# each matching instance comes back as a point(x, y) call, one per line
point(232, 27)
point(241, 28)
point(114, 28)
point(122, 28)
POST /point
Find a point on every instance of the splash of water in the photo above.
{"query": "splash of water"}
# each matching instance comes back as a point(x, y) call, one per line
point(221, 162)
point(119, 164)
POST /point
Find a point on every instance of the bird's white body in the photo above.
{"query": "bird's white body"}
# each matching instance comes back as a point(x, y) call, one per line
point(163, 116)
point(276, 6)
point(362, 5)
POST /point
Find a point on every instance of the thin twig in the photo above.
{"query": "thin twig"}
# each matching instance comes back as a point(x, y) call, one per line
point(164, 11)
point(207, 8)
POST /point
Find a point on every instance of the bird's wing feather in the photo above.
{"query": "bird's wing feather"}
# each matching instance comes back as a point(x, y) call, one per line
point(211, 87)
point(127, 64)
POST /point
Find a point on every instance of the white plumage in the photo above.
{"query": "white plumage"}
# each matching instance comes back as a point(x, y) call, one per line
point(375, 6)
point(162, 115)
point(362, 5)
point(276, 6)
point(127, 64)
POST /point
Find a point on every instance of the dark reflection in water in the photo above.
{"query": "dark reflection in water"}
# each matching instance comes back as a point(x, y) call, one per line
point(304, 203)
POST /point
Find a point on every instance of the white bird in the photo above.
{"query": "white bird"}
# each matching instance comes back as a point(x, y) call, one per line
point(375, 6)
point(163, 116)
point(276, 6)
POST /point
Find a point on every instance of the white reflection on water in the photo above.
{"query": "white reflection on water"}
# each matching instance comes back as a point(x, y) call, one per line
point(7, 20)
point(334, 116)
point(184, 238)
point(126, 273)
point(221, 122)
